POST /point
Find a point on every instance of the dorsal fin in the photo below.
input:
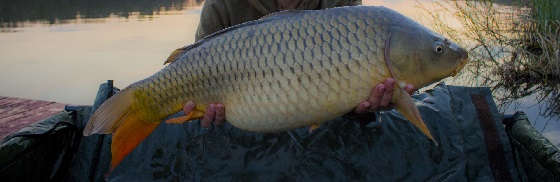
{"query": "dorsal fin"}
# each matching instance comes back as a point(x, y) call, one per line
point(177, 53)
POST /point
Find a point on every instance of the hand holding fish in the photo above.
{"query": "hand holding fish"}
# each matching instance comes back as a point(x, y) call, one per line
point(379, 97)
point(215, 113)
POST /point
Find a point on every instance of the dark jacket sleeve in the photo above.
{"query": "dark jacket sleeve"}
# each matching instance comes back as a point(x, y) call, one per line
point(212, 18)
point(219, 14)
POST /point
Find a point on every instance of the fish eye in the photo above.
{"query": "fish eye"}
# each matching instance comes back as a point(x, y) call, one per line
point(438, 49)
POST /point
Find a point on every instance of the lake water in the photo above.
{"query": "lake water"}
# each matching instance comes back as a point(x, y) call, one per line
point(60, 51)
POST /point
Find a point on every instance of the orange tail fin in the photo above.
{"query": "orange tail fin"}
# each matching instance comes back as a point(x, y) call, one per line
point(117, 116)
point(128, 136)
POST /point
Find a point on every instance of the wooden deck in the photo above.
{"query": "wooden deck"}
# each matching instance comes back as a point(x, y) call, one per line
point(17, 113)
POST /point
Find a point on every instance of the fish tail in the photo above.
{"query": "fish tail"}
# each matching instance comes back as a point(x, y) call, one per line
point(127, 136)
point(118, 116)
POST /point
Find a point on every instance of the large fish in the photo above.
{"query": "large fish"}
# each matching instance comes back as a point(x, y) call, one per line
point(287, 70)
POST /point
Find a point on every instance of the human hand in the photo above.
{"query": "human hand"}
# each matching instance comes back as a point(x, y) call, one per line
point(214, 113)
point(380, 96)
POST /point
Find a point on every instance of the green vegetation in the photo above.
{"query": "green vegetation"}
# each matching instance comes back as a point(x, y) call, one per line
point(514, 48)
point(544, 12)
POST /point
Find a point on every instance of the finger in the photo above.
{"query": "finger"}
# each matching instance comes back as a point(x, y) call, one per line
point(362, 107)
point(375, 96)
point(388, 94)
point(220, 114)
point(409, 88)
point(208, 116)
point(189, 106)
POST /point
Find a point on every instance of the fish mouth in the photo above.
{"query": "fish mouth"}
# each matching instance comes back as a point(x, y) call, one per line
point(464, 60)
point(462, 56)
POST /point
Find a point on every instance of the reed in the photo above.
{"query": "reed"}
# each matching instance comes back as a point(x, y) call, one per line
point(514, 48)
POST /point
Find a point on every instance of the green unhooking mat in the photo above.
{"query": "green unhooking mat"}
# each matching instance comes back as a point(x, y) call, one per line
point(474, 146)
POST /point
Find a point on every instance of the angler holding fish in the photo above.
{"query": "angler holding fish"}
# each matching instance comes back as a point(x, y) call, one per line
point(218, 14)
point(286, 70)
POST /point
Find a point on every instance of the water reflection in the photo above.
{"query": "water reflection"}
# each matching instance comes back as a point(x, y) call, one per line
point(15, 13)
point(86, 43)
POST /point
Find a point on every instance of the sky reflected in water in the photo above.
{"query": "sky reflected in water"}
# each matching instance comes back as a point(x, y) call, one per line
point(66, 62)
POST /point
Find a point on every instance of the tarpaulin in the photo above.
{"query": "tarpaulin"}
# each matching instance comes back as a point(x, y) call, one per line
point(473, 146)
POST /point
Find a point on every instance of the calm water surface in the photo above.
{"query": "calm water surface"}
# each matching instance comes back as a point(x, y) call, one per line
point(60, 51)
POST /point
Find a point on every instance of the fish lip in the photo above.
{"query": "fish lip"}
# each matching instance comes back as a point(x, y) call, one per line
point(464, 60)
point(463, 56)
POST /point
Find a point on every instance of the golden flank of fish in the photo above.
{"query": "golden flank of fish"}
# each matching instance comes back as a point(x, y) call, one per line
point(286, 70)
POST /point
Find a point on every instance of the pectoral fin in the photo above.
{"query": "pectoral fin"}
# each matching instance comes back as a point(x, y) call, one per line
point(195, 114)
point(404, 104)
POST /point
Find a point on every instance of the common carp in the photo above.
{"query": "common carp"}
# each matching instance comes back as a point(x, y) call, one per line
point(286, 70)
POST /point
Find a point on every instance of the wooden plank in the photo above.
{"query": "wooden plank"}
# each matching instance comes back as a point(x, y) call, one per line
point(17, 113)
